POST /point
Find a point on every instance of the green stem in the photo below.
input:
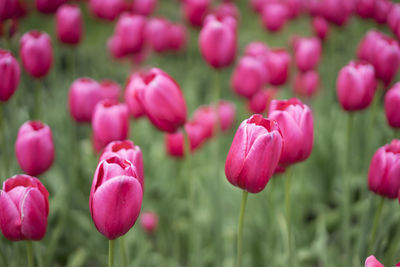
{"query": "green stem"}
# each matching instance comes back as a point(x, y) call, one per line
point(111, 244)
point(123, 251)
point(375, 224)
point(37, 104)
point(288, 181)
point(29, 253)
point(240, 231)
point(73, 62)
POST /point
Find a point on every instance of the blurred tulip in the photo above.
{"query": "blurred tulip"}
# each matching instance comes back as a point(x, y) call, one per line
point(356, 85)
point(144, 7)
point(217, 41)
point(392, 106)
point(371, 261)
point(337, 11)
point(274, 16)
point(258, 50)
point(320, 27)
point(259, 103)
point(10, 75)
point(24, 208)
point(294, 7)
point(149, 221)
point(278, 62)
point(306, 83)
point(384, 170)
point(110, 89)
point(226, 10)
point(157, 34)
point(134, 107)
point(254, 154)
point(195, 11)
point(307, 53)
point(381, 10)
point(365, 8)
point(69, 24)
point(257, 5)
point(34, 147)
point(208, 118)
point(36, 53)
point(130, 29)
point(227, 114)
point(7, 9)
point(387, 58)
point(115, 47)
point(48, 6)
point(393, 17)
point(106, 9)
point(115, 197)
point(365, 48)
point(295, 121)
point(177, 37)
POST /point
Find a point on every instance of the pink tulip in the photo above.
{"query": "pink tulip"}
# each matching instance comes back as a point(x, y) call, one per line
point(356, 85)
point(337, 11)
point(115, 198)
point(48, 6)
point(274, 16)
point(161, 98)
point(306, 83)
point(34, 147)
point(115, 47)
point(134, 107)
point(320, 27)
point(381, 11)
point(7, 9)
point(149, 221)
point(144, 7)
point(366, 46)
point(365, 8)
point(110, 122)
point(371, 261)
point(110, 89)
point(126, 150)
point(208, 118)
point(217, 41)
point(384, 170)
point(294, 7)
point(296, 123)
point(254, 154)
point(226, 10)
point(278, 62)
point(10, 75)
point(24, 208)
point(130, 29)
point(69, 24)
point(195, 11)
point(226, 112)
point(392, 106)
point(36, 53)
point(386, 58)
point(393, 17)
point(177, 37)
point(106, 9)
point(257, 5)
point(259, 103)
point(307, 53)
point(157, 34)
point(258, 50)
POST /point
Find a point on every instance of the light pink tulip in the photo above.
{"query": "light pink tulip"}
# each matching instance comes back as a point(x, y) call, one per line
point(149, 221)
point(307, 53)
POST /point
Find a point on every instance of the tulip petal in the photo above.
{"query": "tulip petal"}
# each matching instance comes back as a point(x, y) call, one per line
point(10, 222)
point(33, 215)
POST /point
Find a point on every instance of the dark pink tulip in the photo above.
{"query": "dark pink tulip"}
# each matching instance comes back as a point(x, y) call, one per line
point(208, 118)
point(392, 106)
point(177, 37)
point(258, 50)
point(115, 198)
point(257, 5)
point(110, 89)
point(157, 34)
point(144, 7)
point(393, 17)
point(259, 103)
point(337, 11)
point(365, 8)
point(10, 75)
point(217, 41)
point(307, 53)
point(69, 24)
point(149, 221)
point(296, 123)
point(48, 6)
point(134, 107)
point(384, 170)
point(126, 150)
point(294, 7)
point(386, 58)
point(249, 76)
point(110, 122)
point(320, 27)
point(195, 11)
point(356, 85)
point(306, 83)
point(371, 261)
point(115, 47)
point(227, 114)
point(106, 9)
point(254, 154)
point(34, 147)
point(381, 11)
point(130, 29)
point(24, 208)
point(36, 53)
point(278, 62)
point(226, 10)
point(161, 98)
point(274, 16)
point(7, 9)
point(84, 94)
point(366, 46)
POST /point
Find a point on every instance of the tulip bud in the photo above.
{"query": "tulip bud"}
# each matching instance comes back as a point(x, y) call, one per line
point(106, 9)
point(144, 7)
point(226, 114)
point(157, 34)
point(217, 41)
point(126, 150)
point(258, 50)
point(69, 25)
point(149, 221)
point(306, 83)
point(134, 107)
point(34, 147)
point(110, 123)
point(356, 85)
point(130, 29)
point(24, 208)
point(274, 16)
point(177, 37)
point(381, 10)
point(226, 10)
point(36, 53)
point(366, 47)
point(161, 99)
point(254, 154)
point(371, 261)
point(296, 124)
point(115, 47)
point(115, 197)
point(384, 170)
point(307, 53)
point(10, 75)
point(259, 103)
point(195, 11)
point(387, 58)
point(110, 89)
point(320, 27)
point(48, 6)
point(393, 17)
point(208, 118)
point(392, 106)
point(278, 62)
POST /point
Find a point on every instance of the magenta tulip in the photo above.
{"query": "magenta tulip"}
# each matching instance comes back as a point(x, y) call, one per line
point(278, 62)
point(177, 37)
point(106, 9)
point(24, 208)
point(258, 50)
point(296, 123)
point(115, 198)
point(307, 53)
point(306, 83)
point(257, 5)
point(387, 58)
point(392, 106)
point(48, 6)
point(366, 45)
point(393, 18)
point(207, 117)
point(365, 8)
point(371, 261)
point(381, 11)
point(34, 147)
point(274, 16)
point(259, 103)
point(320, 27)
point(134, 107)
point(115, 47)
point(195, 11)
point(226, 10)
point(149, 221)
point(294, 7)
point(157, 34)
point(144, 7)
point(337, 11)
point(226, 113)
point(130, 29)
point(110, 89)
point(10, 75)
point(69, 24)
point(254, 154)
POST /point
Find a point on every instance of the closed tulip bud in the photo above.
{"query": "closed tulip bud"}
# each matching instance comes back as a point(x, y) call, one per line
point(227, 114)
point(274, 16)
point(226, 10)
point(365, 8)
point(149, 221)
point(157, 34)
point(115, 47)
point(307, 53)
point(381, 11)
point(115, 197)
point(337, 11)
point(294, 7)
point(257, 5)
point(7, 9)
point(69, 25)
point(258, 50)
point(110, 89)
point(83, 96)
point(106, 9)
point(144, 7)
point(387, 59)
point(254, 154)
point(10, 75)
point(320, 27)
point(217, 41)
point(134, 107)
point(34, 147)
point(393, 17)
point(161, 98)
point(48, 6)
point(296, 123)
point(126, 150)
point(24, 208)
point(371, 261)
point(366, 46)
point(195, 11)
point(356, 85)
point(278, 63)
point(259, 103)
point(306, 83)
point(384, 170)
point(177, 37)
point(392, 106)
point(130, 29)
point(208, 118)
point(110, 122)
point(36, 53)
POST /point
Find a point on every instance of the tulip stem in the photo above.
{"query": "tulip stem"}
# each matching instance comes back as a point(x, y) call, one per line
point(111, 244)
point(123, 251)
point(288, 185)
point(38, 91)
point(240, 231)
point(375, 224)
point(29, 253)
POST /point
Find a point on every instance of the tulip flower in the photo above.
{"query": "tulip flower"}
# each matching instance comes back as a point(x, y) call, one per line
point(48, 6)
point(306, 83)
point(294, 8)
point(69, 24)
point(144, 7)
point(392, 106)
point(36, 53)
point(208, 118)
point(161, 99)
point(381, 10)
point(257, 5)
point(106, 9)
point(365, 8)
point(307, 53)
point(217, 41)
point(134, 107)
point(34, 147)
point(226, 114)
point(278, 62)
point(393, 18)
point(110, 122)
point(195, 11)
point(110, 89)
point(320, 27)
point(356, 85)
point(259, 103)
point(366, 45)
point(296, 124)
point(157, 34)
point(10, 75)
point(226, 10)
point(149, 221)
point(177, 37)
point(126, 150)
point(274, 16)
point(130, 29)
point(371, 261)
point(258, 50)
point(337, 11)
point(387, 58)
point(114, 47)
